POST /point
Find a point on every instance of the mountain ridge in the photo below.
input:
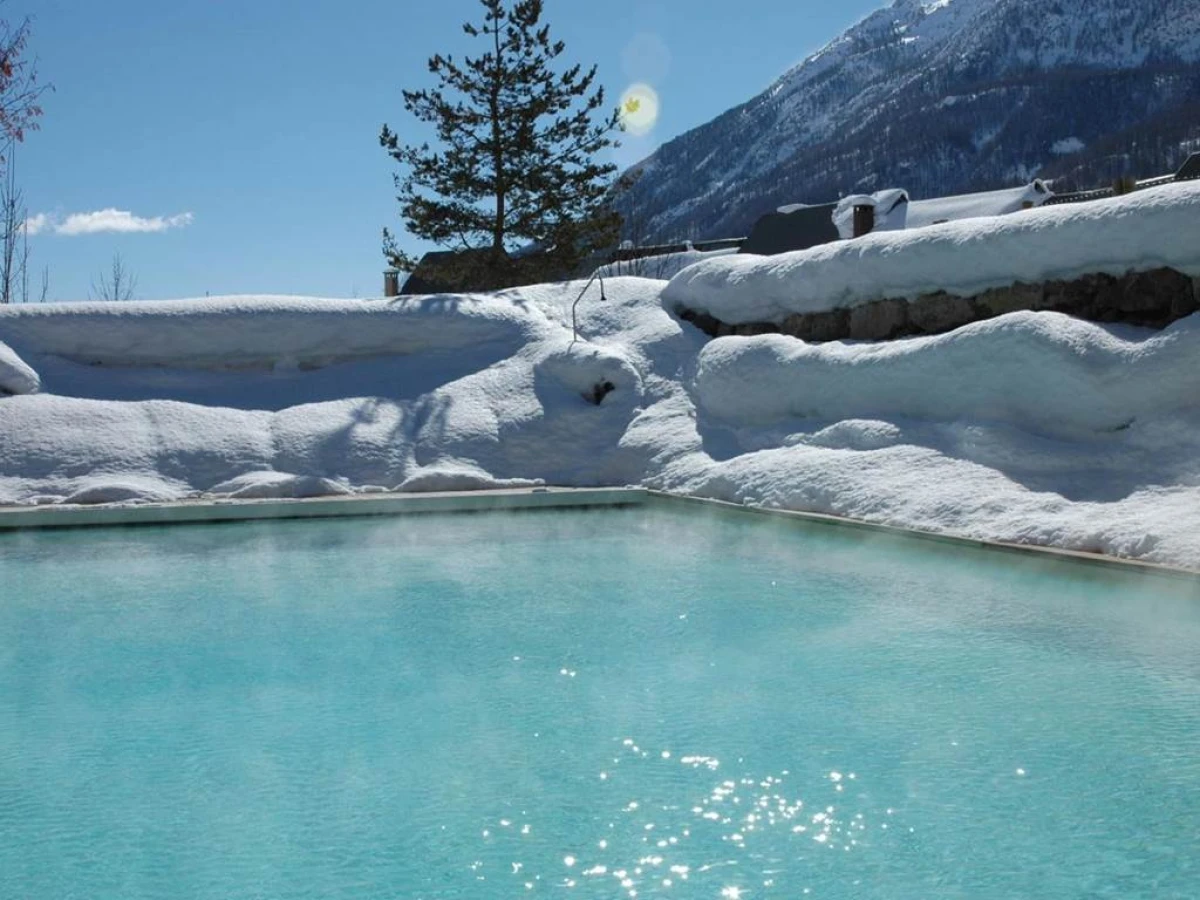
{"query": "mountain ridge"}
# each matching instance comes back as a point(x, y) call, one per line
point(939, 98)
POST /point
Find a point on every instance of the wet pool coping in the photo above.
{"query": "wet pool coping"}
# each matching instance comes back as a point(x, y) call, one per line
point(213, 510)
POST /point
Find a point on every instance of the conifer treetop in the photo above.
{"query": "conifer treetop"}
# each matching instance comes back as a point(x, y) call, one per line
point(518, 139)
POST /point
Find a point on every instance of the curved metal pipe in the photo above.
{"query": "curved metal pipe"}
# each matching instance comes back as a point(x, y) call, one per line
point(595, 276)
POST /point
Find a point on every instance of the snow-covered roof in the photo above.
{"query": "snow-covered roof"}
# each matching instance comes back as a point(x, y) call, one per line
point(971, 206)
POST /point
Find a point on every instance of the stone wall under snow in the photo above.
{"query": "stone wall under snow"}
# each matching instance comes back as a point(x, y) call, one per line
point(1074, 256)
point(1154, 299)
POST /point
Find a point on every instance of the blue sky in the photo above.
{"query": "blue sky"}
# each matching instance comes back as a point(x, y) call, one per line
point(240, 136)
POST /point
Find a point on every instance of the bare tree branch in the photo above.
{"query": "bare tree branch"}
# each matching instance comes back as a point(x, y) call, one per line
point(118, 284)
point(19, 88)
point(12, 233)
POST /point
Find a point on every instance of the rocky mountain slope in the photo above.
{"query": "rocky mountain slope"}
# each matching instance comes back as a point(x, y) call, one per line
point(941, 97)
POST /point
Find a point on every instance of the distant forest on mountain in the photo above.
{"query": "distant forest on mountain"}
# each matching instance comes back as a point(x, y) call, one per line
point(940, 104)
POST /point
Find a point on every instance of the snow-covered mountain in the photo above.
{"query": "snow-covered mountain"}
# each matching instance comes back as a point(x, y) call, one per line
point(942, 96)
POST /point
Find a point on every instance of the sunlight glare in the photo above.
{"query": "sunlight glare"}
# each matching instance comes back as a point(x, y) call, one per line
point(639, 109)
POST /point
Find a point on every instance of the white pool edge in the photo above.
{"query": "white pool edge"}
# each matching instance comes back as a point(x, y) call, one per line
point(212, 510)
point(1029, 550)
point(387, 504)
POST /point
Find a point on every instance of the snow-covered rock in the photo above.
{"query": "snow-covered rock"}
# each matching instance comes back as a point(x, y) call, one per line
point(16, 376)
point(591, 372)
point(1044, 373)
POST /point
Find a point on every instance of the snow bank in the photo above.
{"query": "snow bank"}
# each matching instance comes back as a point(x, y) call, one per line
point(1030, 427)
point(1045, 373)
point(1136, 232)
point(15, 376)
point(260, 332)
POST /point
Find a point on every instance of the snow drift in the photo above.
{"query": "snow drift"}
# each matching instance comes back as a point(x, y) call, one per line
point(1045, 373)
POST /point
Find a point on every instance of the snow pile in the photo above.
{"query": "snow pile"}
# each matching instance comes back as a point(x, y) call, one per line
point(591, 372)
point(1030, 427)
point(1045, 373)
point(15, 376)
point(276, 485)
point(1136, 232)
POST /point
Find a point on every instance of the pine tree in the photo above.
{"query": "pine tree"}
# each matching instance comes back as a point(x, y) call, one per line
point(517, 163)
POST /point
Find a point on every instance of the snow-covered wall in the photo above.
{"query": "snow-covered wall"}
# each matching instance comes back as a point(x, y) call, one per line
point(1159, 227)
point(259, 332)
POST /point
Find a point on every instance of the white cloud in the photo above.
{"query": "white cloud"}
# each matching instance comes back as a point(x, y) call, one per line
point(118, 220)
point(106, 221)
point(35, 224)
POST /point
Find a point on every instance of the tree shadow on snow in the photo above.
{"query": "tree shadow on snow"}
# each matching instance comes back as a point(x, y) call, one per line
point(393, 377)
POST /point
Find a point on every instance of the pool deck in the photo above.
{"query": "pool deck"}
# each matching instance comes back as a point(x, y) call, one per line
point(511, 499)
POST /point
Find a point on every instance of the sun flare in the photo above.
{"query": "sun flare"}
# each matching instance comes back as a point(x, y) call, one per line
point(639, 109)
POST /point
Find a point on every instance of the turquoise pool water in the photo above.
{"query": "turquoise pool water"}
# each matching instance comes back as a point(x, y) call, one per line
point(618, 704)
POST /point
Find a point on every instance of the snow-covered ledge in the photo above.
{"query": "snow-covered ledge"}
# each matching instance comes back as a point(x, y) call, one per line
point(1049, 246)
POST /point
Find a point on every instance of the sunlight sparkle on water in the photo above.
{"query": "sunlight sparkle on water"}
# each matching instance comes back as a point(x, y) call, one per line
point(698, 827)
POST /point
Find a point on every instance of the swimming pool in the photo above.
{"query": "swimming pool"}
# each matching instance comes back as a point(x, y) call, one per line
point(628, 703)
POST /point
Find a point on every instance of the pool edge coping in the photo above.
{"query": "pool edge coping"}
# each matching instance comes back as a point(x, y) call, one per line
point(1042, 551)
point(216, 509)
point(213, 510)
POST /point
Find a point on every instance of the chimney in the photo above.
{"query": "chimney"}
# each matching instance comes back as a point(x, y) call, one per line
point(391, 282)
point(864, 219)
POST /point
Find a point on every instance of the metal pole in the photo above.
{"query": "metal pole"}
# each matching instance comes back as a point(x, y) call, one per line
point(595, 276)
